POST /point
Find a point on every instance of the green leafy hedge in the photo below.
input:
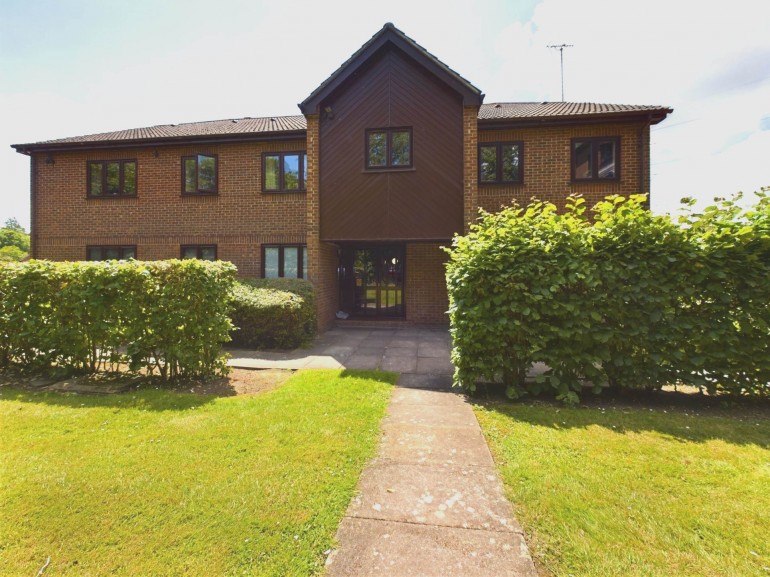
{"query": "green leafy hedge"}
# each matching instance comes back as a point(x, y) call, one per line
point(169, 317)
point(273, 313)
point(620, 297)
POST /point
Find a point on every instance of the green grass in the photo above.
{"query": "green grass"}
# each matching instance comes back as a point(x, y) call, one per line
point(636, 491)
point(160, 483)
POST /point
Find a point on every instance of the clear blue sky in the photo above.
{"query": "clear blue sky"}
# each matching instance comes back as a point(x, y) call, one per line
point(79, 67)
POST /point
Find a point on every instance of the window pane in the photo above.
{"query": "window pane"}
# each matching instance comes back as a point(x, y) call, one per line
point(111, 253)
point(303, 186)
point(376, 149)
point(400, 148)
point(583, 160)
point(190, 252)
point(607, 159)
point(290, 261)
point(511, 162)
point(271, 262)
point(189, 175)
point(291, 172)
point(271, 172)
point(95, 179)
point(129, 252)
point(488, 163)
point(207, 173)
point(208, 252)
point(113, 178)
point(304, 262)
point(129, 178)
point(95, 253)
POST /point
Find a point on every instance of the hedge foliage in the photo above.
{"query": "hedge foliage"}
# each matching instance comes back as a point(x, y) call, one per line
point(614, 296)
point(273, 313)
point(169, 317)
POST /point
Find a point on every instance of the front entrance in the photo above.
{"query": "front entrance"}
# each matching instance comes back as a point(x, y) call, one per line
point(372, 281)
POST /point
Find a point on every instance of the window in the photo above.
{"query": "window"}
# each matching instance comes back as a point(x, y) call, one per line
point(109, 178)
point(596, 158)
point(110, 252)
point(500, 162)
point(284, 172)
point(284, 261)
point(199, 174)
point(199, 251)
point(389, 148)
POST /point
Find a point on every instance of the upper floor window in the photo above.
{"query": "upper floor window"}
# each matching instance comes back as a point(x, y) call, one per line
point(199, 251)
point(199, 174)
point(110, 252)
point(500, 162)
point(596, 158)
point(284, 261)
point(284, 171)
point(111, 178)
point(389, 148)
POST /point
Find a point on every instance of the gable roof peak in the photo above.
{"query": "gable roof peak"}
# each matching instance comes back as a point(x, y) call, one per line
point(389, 34)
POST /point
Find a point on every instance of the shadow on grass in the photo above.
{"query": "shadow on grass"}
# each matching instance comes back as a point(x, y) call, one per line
point(150, 398)
point(681, 416)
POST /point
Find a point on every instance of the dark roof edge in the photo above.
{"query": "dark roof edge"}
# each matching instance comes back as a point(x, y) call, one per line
point(389, 33)
point(653, 116)
point(161, 141)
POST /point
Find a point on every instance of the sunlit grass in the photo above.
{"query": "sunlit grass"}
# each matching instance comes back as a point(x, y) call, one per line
point(622, 491)
point(161, 483)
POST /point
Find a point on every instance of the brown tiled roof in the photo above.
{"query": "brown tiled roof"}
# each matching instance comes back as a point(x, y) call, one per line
point(213, 128)
point(554, 110)
point(282, 125)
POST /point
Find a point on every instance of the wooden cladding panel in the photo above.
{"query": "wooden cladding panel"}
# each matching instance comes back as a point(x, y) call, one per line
point(424, 202)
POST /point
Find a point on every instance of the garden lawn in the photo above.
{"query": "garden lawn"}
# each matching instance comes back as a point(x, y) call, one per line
point(636, 491)
point(160, 483)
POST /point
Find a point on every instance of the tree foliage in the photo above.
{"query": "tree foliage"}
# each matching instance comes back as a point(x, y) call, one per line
point(615, 296)
point(14, 241)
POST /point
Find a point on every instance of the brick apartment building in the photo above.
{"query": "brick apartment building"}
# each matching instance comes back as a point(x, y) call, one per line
point(393, 154)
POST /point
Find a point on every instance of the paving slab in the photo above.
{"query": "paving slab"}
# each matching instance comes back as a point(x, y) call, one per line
point(426, 396)
point(423, 381)
point(393, 350)
point(363, 362)
point(434, 445)
point(441, 495)
point(457, 416)
point(433, 349)
point(437, 366)
point(388, 549)
point(399, 364)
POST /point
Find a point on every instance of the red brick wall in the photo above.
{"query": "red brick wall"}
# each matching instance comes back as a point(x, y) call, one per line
point(470, 166)
point(426, 294)
point(547, 160)
point(159, 219)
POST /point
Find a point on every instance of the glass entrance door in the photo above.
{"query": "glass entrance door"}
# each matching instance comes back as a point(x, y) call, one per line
point(378, 278)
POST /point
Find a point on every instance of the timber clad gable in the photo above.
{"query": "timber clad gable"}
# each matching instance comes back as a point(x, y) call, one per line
point(358, 194)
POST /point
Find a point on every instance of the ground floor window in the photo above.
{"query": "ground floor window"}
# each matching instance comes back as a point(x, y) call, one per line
point(199, 251)
point(110, 252)
point(284, 261)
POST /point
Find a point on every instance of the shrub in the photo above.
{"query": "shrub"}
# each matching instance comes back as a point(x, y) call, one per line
point(164, 316)
point(625, 298)
point(273, 313)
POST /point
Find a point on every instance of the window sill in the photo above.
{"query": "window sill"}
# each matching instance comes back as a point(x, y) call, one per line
point(379, 170)
point(279, 192)
point(594, 180)
point(502, 183)
point(193, 194)
point(110, 196)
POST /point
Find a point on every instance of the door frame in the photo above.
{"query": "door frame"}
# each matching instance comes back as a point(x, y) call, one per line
point(346, 277)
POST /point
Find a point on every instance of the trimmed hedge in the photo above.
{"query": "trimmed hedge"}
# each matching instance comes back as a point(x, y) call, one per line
point(273, 313)
point(624, 298)
point(164, 316)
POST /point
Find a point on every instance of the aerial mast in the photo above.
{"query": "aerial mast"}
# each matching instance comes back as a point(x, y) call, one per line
point(560, 48)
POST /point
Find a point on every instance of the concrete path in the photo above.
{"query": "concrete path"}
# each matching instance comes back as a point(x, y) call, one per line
point(409, 351)
point(431, 503)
